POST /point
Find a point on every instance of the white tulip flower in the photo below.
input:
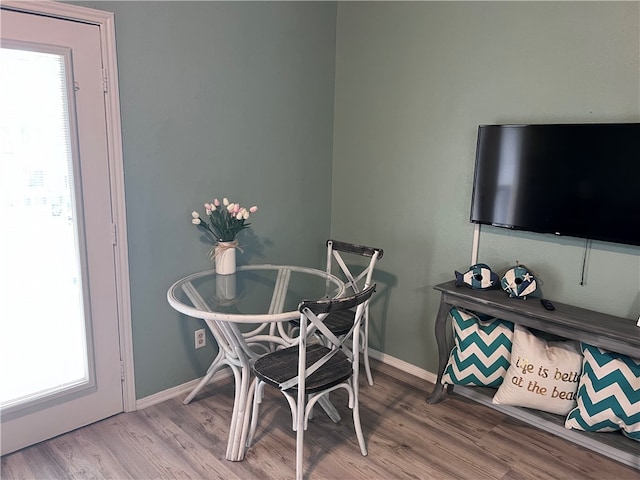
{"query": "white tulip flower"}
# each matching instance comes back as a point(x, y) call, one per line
point(196, 221)
point(225, 201)
point(195, 214)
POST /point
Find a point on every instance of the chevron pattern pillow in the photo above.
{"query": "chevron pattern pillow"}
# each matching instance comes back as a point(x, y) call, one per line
point(608, 394)
point(482, 350)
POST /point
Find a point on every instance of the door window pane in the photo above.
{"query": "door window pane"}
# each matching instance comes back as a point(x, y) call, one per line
point(43, 346)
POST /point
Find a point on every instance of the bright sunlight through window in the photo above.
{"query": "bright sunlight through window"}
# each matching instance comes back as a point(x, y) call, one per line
point(42, 327)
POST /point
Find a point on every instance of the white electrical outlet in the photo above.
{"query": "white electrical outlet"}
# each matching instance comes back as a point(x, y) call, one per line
point(201, 338)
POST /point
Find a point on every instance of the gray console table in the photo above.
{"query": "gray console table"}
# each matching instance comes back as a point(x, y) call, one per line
point(606, 331)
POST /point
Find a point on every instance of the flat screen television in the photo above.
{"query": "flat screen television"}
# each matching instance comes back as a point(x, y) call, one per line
point(578, 180)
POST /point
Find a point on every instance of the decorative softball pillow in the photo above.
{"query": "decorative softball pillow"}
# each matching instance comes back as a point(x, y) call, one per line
point(543, 374)
point(482, 350)
point(608, 395)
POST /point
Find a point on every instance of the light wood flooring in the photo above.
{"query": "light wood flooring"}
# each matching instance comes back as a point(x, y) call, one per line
point(406, 438)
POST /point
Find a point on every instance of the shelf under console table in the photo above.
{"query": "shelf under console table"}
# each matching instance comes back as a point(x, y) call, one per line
point(609, 332)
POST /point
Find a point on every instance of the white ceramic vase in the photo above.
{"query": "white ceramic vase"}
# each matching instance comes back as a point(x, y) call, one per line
point(225, 258)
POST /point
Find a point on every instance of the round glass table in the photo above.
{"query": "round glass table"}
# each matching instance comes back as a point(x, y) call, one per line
point(248, 314)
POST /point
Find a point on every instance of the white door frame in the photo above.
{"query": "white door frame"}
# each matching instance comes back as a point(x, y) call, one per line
point(105, 22)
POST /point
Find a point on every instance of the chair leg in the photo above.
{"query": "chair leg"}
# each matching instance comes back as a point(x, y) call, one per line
point(365, 349)
point(365, 357)
point(300, 451)
point(358, 426)
point(300, 422)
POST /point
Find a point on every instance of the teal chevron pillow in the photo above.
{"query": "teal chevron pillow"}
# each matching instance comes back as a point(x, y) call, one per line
point(608, 394)
point(482, 350)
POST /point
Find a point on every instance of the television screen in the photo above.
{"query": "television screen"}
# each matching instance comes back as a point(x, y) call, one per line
point(579, 180)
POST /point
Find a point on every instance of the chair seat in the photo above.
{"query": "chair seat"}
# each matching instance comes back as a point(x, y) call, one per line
point(340, 322)
point(282, 365)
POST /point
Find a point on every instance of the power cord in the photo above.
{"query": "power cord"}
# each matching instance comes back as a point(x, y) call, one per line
point(587, 247)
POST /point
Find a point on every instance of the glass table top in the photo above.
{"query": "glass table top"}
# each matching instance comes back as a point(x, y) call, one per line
point(255, 293)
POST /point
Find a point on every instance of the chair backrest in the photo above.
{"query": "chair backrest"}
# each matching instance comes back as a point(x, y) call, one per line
point(357, 277)
point(313, 312)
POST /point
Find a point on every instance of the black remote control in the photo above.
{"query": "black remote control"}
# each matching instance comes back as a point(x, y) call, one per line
point(547, 304)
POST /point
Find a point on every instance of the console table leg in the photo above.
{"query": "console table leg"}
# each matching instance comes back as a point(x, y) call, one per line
point(443, 351)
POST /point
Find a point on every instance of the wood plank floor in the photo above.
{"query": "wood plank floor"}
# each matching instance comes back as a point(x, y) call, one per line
point(406, 438)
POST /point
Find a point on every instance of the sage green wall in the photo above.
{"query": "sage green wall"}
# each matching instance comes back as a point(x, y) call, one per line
point(218, 99)
point(413, 82)
point(237, 99)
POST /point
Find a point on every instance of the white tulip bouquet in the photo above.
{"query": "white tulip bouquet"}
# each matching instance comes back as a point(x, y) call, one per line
point(226, 219)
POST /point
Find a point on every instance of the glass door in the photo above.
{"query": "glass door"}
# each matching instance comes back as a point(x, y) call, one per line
point(59, 344)
point(41, 252)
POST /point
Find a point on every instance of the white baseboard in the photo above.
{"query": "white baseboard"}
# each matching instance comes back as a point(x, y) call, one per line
point(177, 391)
point(185, 388)
point(404, 366)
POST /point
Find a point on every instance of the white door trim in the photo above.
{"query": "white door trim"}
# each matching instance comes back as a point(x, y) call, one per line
point(105, 21)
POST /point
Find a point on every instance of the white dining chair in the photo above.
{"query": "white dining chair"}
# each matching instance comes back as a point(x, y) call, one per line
point(357, 275)
point(307, 372)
